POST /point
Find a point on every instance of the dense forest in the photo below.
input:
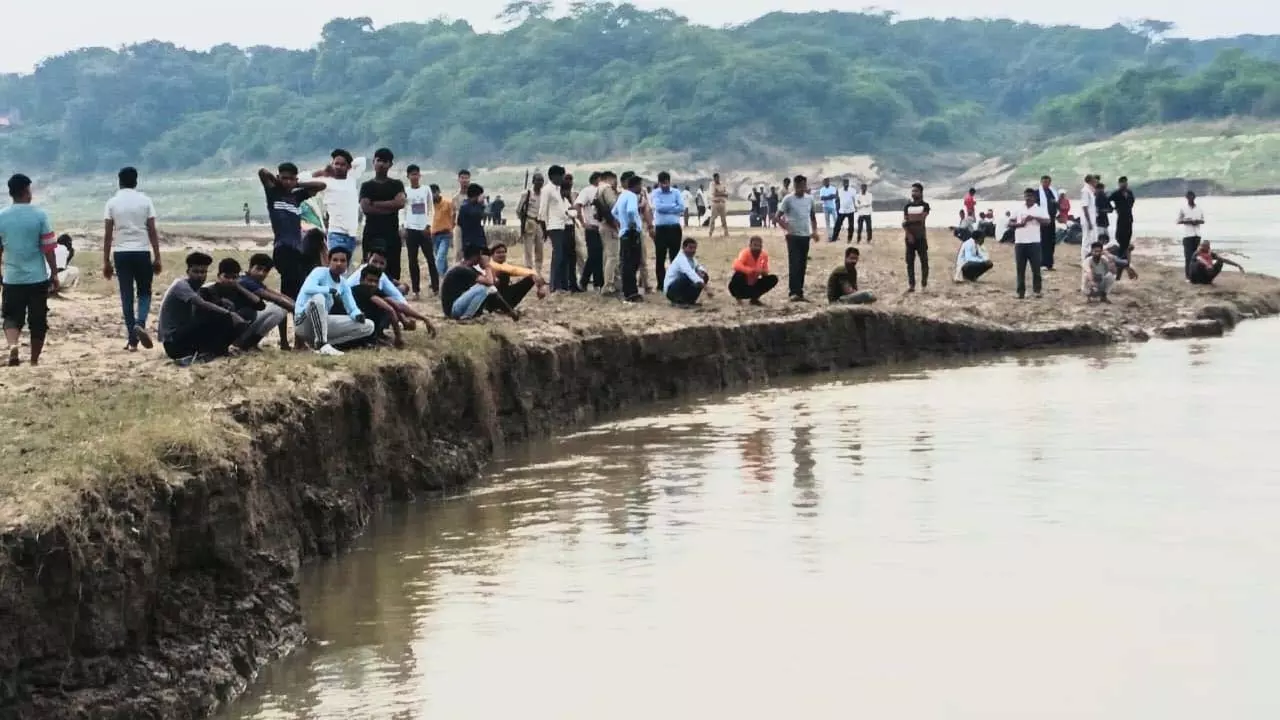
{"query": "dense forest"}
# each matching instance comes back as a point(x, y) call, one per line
point(608, 79)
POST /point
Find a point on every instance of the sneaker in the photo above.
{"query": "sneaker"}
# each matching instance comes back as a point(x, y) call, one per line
point(329, 351)
point(14, 361)
point(144, 337)
point(756, 302)
point(797, 299)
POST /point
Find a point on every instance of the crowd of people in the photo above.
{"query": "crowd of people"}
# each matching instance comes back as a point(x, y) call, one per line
point(596, 236)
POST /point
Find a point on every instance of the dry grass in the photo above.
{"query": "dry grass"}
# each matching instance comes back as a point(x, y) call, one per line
point(93, 415)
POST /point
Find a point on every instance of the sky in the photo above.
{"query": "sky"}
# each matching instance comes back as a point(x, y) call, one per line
point(36, 30)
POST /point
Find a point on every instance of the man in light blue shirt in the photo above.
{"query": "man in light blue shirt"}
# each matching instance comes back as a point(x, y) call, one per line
point(27, 243)
point(668, 210)
point(827, 194)
point(322, 288)
point(686, 279)
point(972, 261)
point(627, 212)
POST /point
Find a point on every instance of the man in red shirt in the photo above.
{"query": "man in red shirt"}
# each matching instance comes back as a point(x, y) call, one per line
point(970, 202)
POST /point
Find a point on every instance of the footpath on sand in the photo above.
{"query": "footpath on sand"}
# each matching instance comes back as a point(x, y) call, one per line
point(152, 517)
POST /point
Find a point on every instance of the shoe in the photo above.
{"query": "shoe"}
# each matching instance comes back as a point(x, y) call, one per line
point(756, 302)
point(13, 357)
point(797, 299)
point(144, 337)
point(634, 299)
point(329, 351)
point(1038, 296)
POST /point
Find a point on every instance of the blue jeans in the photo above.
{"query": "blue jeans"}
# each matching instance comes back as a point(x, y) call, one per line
point(830, 215)
point(342, 240)
point(469, 303)
point(133, 271)
point(440, 246)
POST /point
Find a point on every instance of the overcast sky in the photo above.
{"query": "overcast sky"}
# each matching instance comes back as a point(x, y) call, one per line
point(35, 30)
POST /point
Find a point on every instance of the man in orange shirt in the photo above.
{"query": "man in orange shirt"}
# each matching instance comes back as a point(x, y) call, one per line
point(442, 222)
point(751, 278)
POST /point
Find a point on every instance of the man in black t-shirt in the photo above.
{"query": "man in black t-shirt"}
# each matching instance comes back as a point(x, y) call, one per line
point(285, 196)
point(914, 216)
point(381, 200)
point(842, 284)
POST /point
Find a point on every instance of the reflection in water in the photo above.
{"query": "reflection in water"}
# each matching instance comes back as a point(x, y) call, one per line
point(1044, 536)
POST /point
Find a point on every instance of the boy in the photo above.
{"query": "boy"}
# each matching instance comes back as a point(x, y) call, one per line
point(255, 282)
point(228, 292)
point(914, 216)
point(191, 328)
point(374, 305)
point(417, 221)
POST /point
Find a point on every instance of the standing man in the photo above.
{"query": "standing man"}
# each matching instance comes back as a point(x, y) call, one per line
point(719, 207)
point(342, 198)
point(27, 246)
point(1190, 220)
point(626, 213)
point(1049, 203)
point(585, 206)
point(700, 201)
point(531, 224)
point(606, 197)
point(798, 216)
point(915, 214)
point(246, 214)
point(417, 220)
point(1088, 214)
point(687, 196)
point(131, 243)
point(1122, 200)
point(864, 204)
point(828, 195)
point(551, 208)
point(668, 208)
point(846, 206)
point(459, 198)
point(285, 197)
point(444, 219)
point(1027, 239)
point(381, 200)
point(971, 203)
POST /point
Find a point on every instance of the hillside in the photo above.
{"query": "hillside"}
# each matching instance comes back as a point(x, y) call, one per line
point(763, 93)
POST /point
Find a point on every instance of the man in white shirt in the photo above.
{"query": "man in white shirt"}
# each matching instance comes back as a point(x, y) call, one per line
point(552, 208)
point(417, 219)
point(1027, 223)
point(1088, 214)
point(341, 180)
point(1190, 220)
point(686, 279)
point(847, 206)
point(687, 196)
point(862, 203)
point(131, 251)
point(584, 206)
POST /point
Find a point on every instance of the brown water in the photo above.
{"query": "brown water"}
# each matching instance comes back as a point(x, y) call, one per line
point(1043, 536)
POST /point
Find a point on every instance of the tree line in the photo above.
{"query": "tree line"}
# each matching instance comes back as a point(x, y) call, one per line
point(605, 79)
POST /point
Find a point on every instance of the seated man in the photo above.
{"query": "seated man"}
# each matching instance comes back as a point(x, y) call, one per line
point(751, 278)
point(972, 261)
point(986, 225)
point(228, 292)
point(686, 280)
point(68, 274)
point(372, 301)
point(842, 285)
point(254, 281)
point(192, 328)
point(1206, 264)
point(325, 289)
point(466, 288)
point(1005, 230)
point(1123, 264)
point(512, 281)
point(391, 291)
point(964, 228)
point(1099, 274)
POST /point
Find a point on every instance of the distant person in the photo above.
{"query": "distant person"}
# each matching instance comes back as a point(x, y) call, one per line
point(798, 216)
point(63, 254)
point(495, 210)
point(774, 199)
point(419, 204)
point(719, 205)
point(1028, 233)
point(460, 199)
point(531, 230)
point(1005, 230)
point(686, 279)
point(827, 195)
point(700, 201)
point(30, 270)
point(915, 217)
point(131, 252)
point(1190, 221)
point(285, 197)
point(972, 261)
point(751, 279)
point(689, 203)
point(1099, 274)
point(865, 207)
point(1048, 200)
point(971, 203)
point(246, 214)
point(1088, 214)
point(341, 178)
point(842, 284)
point(1123, 200)
point(602, 208)
point(324, 289)
point(1206, 264)
point(1103, 210)
point(847, 209)
point(668, 207)
point(191, 328)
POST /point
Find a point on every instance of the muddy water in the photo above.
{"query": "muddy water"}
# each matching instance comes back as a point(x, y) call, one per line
point(1036, 536)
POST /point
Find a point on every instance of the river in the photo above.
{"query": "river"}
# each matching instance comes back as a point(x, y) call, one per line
point(1088, 535)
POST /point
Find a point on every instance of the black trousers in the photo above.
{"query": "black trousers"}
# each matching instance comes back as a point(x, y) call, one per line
point(206, 333)
point(973, 270)
point(629, 255)
point(666, 244)
point(1201, 275)
point(593, 268)
point(740, 290)
point(797, 263)
point(840, 219)
point(683, 291)
point(512, 292)
point(918, 249)
point(391, 247)
point(1124, 234)
point(864, 221)
point(27, 305)
point(1189, 247)
point(1025, 254)
point(1048, 241)
point(293, 269)
point(564, 260)
point(415, 241)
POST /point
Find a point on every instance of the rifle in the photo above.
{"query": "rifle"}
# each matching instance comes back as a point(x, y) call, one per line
point(522, 210)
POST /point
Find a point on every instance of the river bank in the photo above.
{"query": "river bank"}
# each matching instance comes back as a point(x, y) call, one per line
point(154, 518)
